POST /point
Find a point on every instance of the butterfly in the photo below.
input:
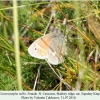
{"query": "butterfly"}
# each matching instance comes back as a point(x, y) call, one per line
point(51, 47)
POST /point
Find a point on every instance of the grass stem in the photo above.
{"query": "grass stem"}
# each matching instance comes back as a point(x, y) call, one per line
point(16, 44)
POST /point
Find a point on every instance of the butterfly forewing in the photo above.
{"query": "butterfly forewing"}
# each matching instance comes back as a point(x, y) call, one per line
point(39, 48)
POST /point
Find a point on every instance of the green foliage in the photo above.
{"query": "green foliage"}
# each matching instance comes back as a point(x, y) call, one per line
point(82, 63)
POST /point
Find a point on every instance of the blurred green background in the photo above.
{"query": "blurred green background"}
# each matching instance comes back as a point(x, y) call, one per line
point(81, 68)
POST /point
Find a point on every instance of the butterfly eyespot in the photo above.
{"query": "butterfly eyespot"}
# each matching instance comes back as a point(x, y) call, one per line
point(35, 49)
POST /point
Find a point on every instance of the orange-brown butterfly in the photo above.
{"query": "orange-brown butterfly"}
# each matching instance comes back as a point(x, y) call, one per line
point(51, 47)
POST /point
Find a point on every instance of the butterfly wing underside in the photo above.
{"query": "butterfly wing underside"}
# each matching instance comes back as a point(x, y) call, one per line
point(39, 48)
point(57, 50)
point(51, 47)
